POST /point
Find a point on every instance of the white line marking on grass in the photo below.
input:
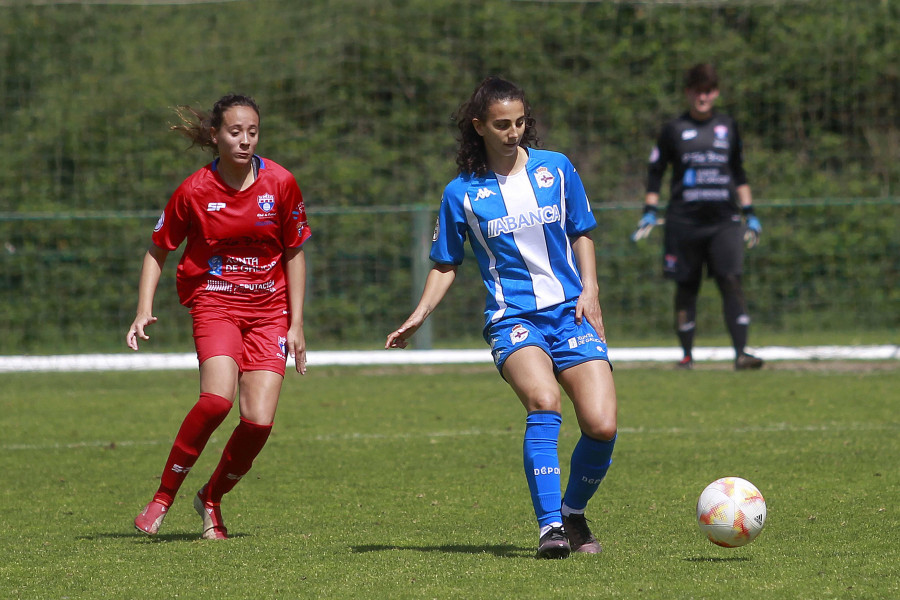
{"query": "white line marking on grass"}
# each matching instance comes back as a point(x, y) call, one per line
point(343, 437)
point(149, 361)
point(76, 445)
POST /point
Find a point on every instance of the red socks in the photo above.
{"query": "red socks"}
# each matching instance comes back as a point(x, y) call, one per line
point(245, 444)
point(196, 429)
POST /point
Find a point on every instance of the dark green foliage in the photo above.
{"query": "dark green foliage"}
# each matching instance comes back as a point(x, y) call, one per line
point(357, 99)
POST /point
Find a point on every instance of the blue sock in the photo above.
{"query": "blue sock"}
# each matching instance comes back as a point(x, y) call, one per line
point(542, 465)
point(590, 462)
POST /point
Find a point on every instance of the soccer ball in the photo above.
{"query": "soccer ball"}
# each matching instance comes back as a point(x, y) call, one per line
point(731, 512)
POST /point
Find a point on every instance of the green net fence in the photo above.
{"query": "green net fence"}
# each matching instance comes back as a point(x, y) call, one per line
point(356, 99)
point(69, 283)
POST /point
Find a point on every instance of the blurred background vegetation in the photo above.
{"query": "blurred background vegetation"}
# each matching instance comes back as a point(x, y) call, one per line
point(356, 99)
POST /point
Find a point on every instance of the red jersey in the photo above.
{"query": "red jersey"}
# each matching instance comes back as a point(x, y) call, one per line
point(235, 239)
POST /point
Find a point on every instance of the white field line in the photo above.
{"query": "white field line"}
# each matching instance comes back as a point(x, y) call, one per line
point(392, 437)
point(179, 361)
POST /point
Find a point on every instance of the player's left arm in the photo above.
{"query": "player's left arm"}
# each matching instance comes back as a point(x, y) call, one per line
point(745, 197)
point(295, 273)
point(754, 227)
point(588, 305)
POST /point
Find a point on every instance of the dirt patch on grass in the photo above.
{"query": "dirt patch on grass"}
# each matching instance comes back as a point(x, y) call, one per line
point(830, 366)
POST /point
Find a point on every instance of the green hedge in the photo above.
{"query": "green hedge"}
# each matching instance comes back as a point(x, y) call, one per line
point(357, 98)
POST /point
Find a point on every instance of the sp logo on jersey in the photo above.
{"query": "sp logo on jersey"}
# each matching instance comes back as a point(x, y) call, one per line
point(215, 206)
point(543, 177)
point(266, 202)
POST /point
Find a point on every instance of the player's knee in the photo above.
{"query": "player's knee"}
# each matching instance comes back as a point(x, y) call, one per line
point(543, 401)
point(602, 431)
point(729, 283)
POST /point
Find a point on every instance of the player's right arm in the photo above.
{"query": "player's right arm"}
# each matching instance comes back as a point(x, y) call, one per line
point(151, 270)
point(439, 280)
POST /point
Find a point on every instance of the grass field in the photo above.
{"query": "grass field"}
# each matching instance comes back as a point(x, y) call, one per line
point(407, 483)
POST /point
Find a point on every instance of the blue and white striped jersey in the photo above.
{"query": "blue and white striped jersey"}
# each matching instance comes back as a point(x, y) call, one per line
point(519, 227)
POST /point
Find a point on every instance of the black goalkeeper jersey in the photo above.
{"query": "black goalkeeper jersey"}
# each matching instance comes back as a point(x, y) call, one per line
point(707, 166)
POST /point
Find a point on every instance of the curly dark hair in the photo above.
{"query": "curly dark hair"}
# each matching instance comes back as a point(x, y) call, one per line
point(471, 157)
point(195, 124)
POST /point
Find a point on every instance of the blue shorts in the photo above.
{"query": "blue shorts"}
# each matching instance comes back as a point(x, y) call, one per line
point(554, 331)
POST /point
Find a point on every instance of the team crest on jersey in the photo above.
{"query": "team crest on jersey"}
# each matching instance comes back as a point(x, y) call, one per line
point(518, 334)
point(266, 202)
point(161, 222)
point(484, 193)
point(721, 132)
point(544, 177)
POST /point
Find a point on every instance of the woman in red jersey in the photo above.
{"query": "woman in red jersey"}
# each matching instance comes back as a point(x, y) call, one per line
point(242, 275)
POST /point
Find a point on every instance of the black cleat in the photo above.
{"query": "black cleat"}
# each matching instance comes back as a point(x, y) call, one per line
point(745, 362)
point(580, 537)
point(554, 544)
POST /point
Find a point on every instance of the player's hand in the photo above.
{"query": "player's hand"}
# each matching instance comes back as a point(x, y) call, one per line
point(400, 337)
point(137, 330)
point(754, 229)
point(588, 307)
point(296, 347)
point(646, 224)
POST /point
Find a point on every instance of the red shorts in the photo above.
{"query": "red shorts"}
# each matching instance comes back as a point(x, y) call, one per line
point(255, 343)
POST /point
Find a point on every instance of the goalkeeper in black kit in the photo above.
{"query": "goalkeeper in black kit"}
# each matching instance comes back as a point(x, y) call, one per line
point(709, 198)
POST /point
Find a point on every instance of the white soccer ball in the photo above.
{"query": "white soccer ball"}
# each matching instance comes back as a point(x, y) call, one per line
point(731, 512)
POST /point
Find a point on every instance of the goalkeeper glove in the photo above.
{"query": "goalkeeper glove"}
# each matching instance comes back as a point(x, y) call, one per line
point(646, 224)
point(754, 227)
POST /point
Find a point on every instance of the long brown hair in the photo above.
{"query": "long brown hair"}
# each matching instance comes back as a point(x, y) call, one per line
point(195, 124)
point(471, 156)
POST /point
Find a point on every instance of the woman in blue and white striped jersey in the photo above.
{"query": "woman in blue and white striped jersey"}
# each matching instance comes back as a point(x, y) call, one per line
point(527, 218)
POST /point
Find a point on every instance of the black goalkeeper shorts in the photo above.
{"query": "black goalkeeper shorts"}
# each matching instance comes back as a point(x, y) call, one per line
point(720, 246)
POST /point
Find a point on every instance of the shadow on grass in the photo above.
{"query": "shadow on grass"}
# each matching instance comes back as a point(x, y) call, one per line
point(502, 551)
point(716, 559)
